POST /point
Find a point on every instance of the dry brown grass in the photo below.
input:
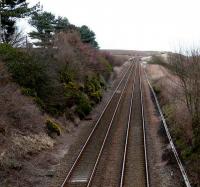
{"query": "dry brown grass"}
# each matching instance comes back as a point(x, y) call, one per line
point(172, 96)
point(178, 117)
point(20, 146)
point(28, 155)
point(22, 131)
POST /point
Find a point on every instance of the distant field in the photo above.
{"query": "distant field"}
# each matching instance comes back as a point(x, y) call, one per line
point(129, 53)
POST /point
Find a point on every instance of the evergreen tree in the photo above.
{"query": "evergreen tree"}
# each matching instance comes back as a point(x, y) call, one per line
point(88, 36)
point(10, 11)
point(61, 24)
point(44, 23)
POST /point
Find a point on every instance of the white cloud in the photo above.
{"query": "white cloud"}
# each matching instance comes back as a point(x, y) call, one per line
point(134, 24)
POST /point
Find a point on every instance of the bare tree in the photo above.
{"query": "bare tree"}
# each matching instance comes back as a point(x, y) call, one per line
point(187, 68)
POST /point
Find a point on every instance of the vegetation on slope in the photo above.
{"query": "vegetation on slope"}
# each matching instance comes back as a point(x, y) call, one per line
point(65, 76)
point(181, 106)
point(66, 71)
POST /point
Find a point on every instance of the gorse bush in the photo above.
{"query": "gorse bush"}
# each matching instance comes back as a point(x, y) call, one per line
point(67, 75)
point(94, 86)
point(71, 93)
point(102, 81)
point(96, 96)
point(83, 105)
point(53, 127)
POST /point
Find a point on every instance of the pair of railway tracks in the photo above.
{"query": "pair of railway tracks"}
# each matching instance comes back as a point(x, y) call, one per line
point(115, 153)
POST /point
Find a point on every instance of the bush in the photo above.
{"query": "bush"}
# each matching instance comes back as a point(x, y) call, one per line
point(156, 90)
point(71, 93)
point(26, 70)
point(106, 66)
point(55, 108)
point(67, 75)
point(9, 53)
point(30, 74)
point(93, 87)
point(186, 152)
point(83, 105)
point(96, 96)
point(58, 79)
point(102, 81)
point(53, 127)
point(28, 92)
point(40, 103)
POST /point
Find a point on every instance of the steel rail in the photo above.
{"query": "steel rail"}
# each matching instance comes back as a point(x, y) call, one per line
point(183, 172)
point(144, 132)
point(107, 133)
point(95, 126)
point(144, 136)
point(127, 136)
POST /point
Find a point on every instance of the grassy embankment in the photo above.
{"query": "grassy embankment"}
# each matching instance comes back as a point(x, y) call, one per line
point(171, 91)
point(40, 86)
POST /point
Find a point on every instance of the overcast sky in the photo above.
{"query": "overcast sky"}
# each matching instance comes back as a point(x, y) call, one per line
point(134, 24)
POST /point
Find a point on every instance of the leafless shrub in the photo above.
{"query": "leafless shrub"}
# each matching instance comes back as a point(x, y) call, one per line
point(114, 60)
point(67, 46)
point(21, 146)
point(79, 56)
point(187, 68)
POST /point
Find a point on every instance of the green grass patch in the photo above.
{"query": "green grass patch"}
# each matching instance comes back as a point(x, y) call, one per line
point(53, 127)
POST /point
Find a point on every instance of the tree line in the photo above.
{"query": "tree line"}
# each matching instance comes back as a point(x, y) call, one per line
point(45, 24)
point(65, 73)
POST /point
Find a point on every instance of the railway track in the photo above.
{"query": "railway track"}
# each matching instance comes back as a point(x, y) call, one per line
point(83, 167)
point(115, 152)
point(135, 163)
point(109, 165)
point(124, 159)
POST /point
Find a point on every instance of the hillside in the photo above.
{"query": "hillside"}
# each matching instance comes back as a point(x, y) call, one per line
point(48, 86)
point(176, 82)
point(44, 96)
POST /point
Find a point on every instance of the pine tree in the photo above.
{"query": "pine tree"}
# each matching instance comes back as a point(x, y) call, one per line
point(10, 11)
point(61, 24)
point(44, 23)
point(88, 36)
